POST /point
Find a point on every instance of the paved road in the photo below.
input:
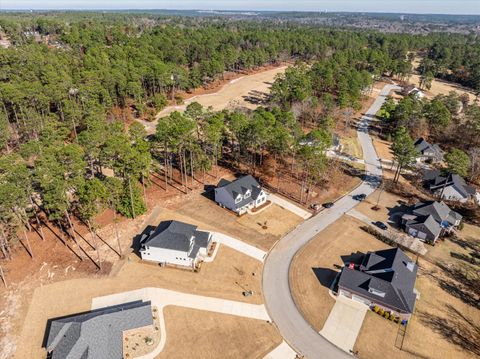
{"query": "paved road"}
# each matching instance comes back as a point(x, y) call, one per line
point(276, 289)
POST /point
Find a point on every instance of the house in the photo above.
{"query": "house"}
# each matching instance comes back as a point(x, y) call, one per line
point(430, 220)
point(177, 243)
point(335, 147)
point(384, 278)
point(240, 195)
point(415, 92)
point(449, 186)
point(428, 152)
point(96, 334)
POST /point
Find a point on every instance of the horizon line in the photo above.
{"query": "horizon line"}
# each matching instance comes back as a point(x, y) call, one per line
point(225, 10)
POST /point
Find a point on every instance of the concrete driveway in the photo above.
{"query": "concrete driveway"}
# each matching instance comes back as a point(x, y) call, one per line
point(344, 323)
point(289, 206)
point(239, 246)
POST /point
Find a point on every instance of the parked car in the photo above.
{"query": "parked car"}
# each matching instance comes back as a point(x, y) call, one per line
point(380, 225)
point(315, 206)
point(360, 197)
point(328, 205)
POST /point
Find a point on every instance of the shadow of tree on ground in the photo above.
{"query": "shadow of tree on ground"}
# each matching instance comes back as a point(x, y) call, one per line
point(456, 328)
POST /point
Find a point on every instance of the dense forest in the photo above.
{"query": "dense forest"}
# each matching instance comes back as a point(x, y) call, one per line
point(63, 76)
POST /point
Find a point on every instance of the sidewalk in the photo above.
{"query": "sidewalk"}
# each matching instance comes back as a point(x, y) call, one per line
point(239, 246)
point(283, 351)
point(289, 206)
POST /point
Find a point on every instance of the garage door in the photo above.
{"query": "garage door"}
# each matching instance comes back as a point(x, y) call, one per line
point(361, 300)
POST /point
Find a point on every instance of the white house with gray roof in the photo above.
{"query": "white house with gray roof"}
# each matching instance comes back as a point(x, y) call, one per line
point(177, 243)
point(430, 220)
point(240, 195)
point(96, 334)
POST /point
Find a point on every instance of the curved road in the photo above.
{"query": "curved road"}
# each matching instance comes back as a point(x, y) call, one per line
point(276, 289)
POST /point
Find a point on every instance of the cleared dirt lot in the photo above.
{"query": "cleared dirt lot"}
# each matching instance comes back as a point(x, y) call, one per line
point(248, 228)
point(197, 334)
point(440, 87)
point(237, 92)
point(216, 279)
point(315, 266)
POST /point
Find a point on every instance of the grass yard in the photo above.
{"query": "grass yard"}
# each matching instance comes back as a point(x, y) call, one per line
point(386, 202)
point(248, 228)
point(197, 334)
point(316, 265)
point(383, 149)
point(351, 146)
point(216, 279)
point(442, 326)
point(278, 221)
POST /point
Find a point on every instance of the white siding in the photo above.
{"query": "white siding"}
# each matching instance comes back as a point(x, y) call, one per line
point(167, 256)
point(451, 193)
point(261, 199)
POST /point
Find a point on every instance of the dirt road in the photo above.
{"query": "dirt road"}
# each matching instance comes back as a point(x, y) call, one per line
point(247, 91)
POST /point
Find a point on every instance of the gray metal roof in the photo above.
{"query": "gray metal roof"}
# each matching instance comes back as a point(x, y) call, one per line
point(241, 186)
point(176, 235)
point(389, 271)
point(98, 333)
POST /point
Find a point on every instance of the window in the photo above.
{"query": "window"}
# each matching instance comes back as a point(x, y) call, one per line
point(238, 199)
point(376, 292)
point(247, 194)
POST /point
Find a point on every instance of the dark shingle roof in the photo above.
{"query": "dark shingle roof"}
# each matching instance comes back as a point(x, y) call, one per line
point(434, 179)
point(423, 146)
point(425, 223)
point(241, 186)
point(98, 333)
point(389, 271)
point(176, 235)
point(438, 210)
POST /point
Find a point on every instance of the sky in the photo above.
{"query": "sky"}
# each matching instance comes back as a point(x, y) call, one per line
point(469, 7)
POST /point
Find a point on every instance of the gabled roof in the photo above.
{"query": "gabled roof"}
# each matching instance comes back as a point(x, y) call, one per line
point(389, 271)
point(438, 210)
point(436, 179)
point(241, 186)
point(426, 223)
point(98, 333)
point(422, 146)
point(176, 235)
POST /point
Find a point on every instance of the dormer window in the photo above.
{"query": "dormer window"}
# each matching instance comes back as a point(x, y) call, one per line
point(238, 199)
point(247, 194)
point(376, 292)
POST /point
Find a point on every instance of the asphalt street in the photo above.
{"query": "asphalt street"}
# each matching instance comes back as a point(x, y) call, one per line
point(280, 305)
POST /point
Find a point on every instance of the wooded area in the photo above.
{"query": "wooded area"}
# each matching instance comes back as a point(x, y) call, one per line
point(64, 77)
